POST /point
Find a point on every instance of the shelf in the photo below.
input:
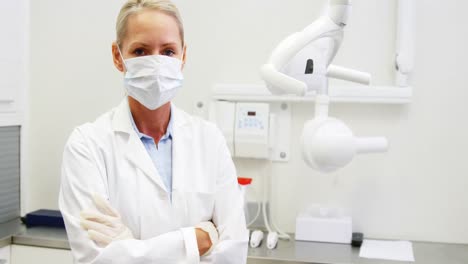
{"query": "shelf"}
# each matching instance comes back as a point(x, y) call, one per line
point(338, 94)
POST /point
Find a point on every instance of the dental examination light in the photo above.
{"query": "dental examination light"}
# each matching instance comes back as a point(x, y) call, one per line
point(301, 64)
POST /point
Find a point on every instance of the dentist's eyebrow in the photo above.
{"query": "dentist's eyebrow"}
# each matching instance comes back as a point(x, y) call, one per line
point(138, 43)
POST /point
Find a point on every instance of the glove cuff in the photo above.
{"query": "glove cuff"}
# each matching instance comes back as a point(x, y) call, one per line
point(209, 228)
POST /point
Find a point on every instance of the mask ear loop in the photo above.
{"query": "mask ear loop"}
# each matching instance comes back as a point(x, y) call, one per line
point(123, 62)
point(121, 56)
point(184, 56)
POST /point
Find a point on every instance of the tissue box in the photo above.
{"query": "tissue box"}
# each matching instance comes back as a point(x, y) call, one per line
point(324, 225)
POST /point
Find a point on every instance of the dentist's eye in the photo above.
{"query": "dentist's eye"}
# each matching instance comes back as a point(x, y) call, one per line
point(168, 53)
point(139, 52)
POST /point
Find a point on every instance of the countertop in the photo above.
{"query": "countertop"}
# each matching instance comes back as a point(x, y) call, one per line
point(328, 253)
point(287, 251)
point(16, 233)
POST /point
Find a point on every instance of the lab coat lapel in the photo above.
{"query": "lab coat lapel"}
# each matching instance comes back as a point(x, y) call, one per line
point(137, 154)
point(133, 148)
point(181, 141)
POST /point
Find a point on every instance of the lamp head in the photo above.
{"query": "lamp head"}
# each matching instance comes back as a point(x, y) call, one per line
point(327, 144)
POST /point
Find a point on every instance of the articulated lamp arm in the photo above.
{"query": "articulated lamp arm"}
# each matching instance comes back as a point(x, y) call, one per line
point(328, 26)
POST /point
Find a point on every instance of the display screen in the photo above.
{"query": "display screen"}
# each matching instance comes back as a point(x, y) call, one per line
point(251, 113)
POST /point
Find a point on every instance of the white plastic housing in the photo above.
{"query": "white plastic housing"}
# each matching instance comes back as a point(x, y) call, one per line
point(281, 83)
point(272, 240)
point(251, 132)
point(351, 75)
point(328, 144)
point(223, 114)
point(405, 41)
point(339, 11)
point(256, 238)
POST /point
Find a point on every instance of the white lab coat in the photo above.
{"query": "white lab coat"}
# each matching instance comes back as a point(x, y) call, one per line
point(108, 158)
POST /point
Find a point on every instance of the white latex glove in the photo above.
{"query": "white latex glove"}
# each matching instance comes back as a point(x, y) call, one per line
point(104, 226)
point(210, 228)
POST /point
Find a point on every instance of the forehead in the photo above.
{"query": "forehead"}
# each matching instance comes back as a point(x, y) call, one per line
point(152, 27)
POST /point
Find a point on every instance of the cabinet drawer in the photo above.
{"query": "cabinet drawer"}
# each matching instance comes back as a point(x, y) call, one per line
point(5, 255)
point(27, 255)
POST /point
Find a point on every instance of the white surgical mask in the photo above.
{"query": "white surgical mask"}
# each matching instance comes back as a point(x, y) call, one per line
point(153, 80)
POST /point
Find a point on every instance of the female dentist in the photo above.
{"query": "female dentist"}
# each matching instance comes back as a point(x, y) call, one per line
point(146, 182)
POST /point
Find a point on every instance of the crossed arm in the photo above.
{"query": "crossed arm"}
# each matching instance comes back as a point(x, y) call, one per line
point(81, 178)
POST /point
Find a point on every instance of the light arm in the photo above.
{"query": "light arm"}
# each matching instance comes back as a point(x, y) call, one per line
point(342, 73)
point(327, 26)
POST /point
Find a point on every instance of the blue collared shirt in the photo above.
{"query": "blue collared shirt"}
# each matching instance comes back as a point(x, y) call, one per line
point(161, 153)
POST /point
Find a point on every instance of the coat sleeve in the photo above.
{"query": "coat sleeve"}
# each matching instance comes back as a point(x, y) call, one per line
point(81, 177)
point(228, 214)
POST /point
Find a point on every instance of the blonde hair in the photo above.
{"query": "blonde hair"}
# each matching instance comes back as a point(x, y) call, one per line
point(132, 7)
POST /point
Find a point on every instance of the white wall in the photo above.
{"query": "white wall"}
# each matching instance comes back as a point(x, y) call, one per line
point(72, 81)
point(416, 191)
